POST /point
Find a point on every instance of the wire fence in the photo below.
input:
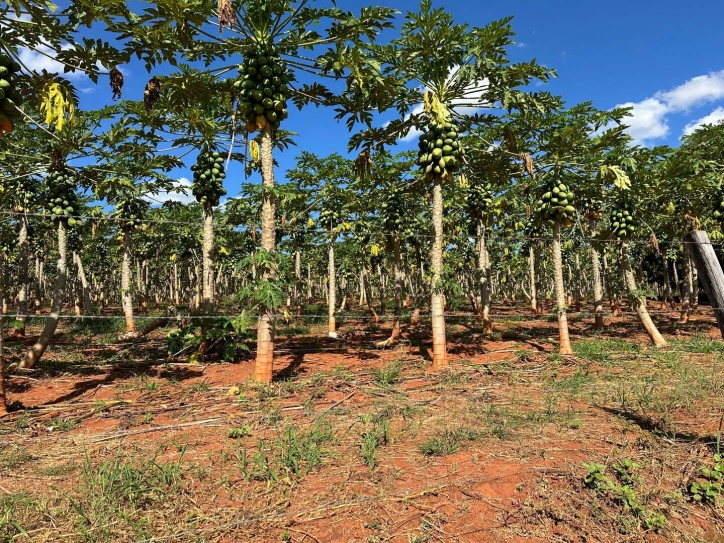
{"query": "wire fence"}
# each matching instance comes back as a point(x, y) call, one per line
point(352, 317)
point(490, 236)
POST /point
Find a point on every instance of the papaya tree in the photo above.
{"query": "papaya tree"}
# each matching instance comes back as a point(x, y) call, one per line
point(564, 148)
point(447, 70)
point(62, 206)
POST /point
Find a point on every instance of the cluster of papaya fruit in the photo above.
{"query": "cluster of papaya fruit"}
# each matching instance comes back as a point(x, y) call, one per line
point(591, 207)
point(719, 210)
point(392, 209)
point(623, 224)
point(25, 194)
point(62, 201)
point(130, 211)
point(209, 175)
point(264, 88)
point(479, 198)
point(556, 205)
point(10, 97)
point(440, 151)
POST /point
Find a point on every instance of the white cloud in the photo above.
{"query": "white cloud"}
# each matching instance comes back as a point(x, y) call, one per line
point(456, 106)
point(521, 44)
point(649, 117)
point(713, 118)
point(172, 196)
point(697, 91)
point(43, 59)
point(414, 133)
point(648, 120)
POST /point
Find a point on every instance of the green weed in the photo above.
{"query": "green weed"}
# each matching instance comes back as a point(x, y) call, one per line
point(389, 374)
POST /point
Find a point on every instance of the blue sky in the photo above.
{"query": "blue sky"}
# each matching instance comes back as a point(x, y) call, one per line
point(664, 58)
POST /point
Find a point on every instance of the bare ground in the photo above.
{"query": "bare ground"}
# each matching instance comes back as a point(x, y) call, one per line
point(115, 442)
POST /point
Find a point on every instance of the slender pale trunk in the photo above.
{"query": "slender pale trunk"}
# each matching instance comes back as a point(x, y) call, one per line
point(383, 302)
point(22, 276)
point(597, 285)
point(266, 330)
point(198, 290)
point(694, 284)
point(332, 297)
point(668, 297)
point(439, 346)
point(398, 287)
point(37, 284)
point(126, 282)
point(532, 279)
point(686, 293)
point(75, 291)
point(577, 283)
point(636, 299)
point(176, 285)
point(539, 272)
point(3, 397)
point(37, 350)
point(298, 276)
point(677, 282)
point(484, 277)
point(208, 260)
point(368, 295)
point(564, 339)
point(87, 305)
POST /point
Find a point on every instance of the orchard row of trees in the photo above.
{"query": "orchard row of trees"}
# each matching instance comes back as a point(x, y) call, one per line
point(496, 161)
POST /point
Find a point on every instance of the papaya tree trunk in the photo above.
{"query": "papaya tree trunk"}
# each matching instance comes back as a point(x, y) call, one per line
point(539, 276)
point(3, 397)
point(22, 276)
point(368, 295)
point(636, 299)
point(686, 290)
point(126, 282)
point(87, 304)
point(694, 283)
point(176, 285)
point(484, 277)
point(532, 279)
point(37, 282)
point(597, 285)
point(267, 319)
point(208, 260)
point(298, 277)
point(439, 346)
point(577, 283)
point(564, 343)
point(668, 296)
point(332, 297)
point(36, 351)
point(398, 287)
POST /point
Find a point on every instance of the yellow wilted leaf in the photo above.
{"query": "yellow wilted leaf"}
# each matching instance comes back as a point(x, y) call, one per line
point(254, 151)
point(463, 181)
point(671, 208)
point(223, 251)
point(55, 104)
point(375, 250)
point(310, 223)
point(434, 107)
point(505, 251)
point(172, 257)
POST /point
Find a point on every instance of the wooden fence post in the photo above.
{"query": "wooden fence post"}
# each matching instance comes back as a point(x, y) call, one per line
point(710, 271)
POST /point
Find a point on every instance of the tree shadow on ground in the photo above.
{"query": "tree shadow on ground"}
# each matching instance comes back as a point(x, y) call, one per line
point(659, 428)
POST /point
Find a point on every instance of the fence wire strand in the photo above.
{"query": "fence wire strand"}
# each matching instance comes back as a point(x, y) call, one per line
point(491, 237)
